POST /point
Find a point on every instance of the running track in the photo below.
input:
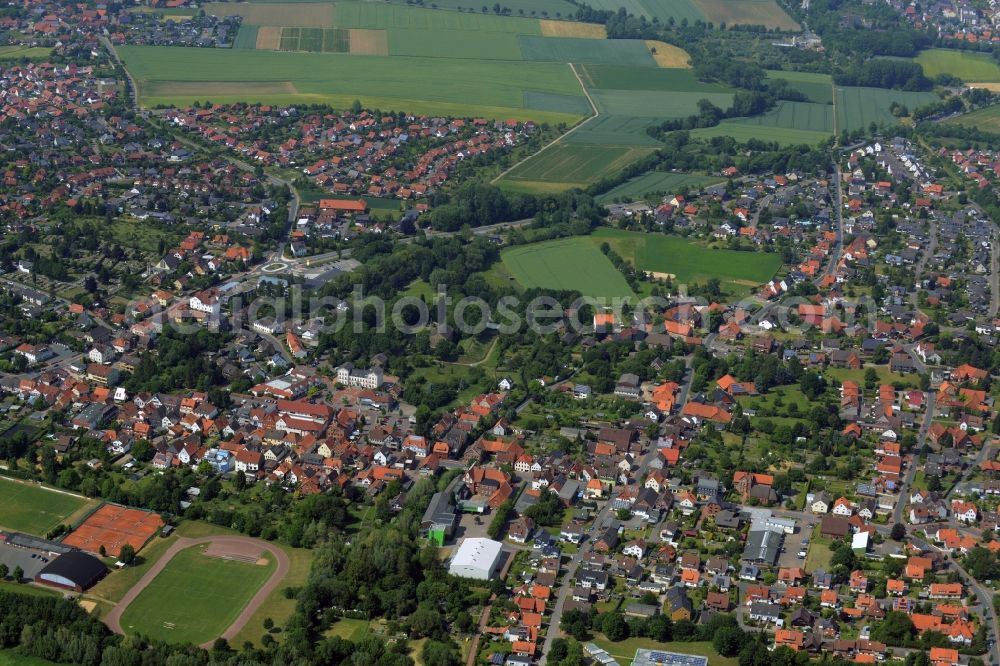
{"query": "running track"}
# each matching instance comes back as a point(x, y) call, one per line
point(113, 619)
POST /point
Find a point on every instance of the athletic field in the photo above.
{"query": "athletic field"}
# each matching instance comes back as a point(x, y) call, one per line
point(195, 598)
point(28, 507)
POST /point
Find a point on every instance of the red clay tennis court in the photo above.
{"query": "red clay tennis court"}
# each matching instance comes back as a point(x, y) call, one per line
point(112, 527)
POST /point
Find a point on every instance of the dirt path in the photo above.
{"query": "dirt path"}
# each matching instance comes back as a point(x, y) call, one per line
point(562, 136)
point(113, 619)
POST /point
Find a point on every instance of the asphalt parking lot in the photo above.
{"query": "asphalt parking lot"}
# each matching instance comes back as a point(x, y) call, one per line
point(13, 557)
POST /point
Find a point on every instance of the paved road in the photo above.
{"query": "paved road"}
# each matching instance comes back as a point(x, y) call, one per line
point(113, 619)
point(599, 521)
point(904, 489)
point(925, 257)
point(838, 246)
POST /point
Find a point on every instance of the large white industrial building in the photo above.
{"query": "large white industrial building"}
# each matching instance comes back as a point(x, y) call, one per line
point(477, 558)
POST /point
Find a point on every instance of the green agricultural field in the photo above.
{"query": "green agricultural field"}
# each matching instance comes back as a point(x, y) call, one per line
point(615, 130)
point(690, 262)
point(539, 8)
point(568, 165)
point(663, 104)
point(546, 101)
point(743, 132)
point(455, 44)
point(816, 87)
point(970, 67)
point(314, 40)
point(580, 50)
point(28, 507)
point(246, 38)
point(617, 77)
point(568, 263)
point(987, 119)
point(857, 108)
point(797, 116)
point(195, 598)
point(402, 17)
point(747, 12)
point(659, 9)
point(180, 76)
point(657, 182)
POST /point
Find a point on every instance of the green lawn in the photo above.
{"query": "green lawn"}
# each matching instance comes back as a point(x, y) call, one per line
point(35, 509)
point(11, 658)
point(970, 67)
point(818, 557)
point(447, 86)
point(885, 376)
point(624, 651)
point(195, 598)
point(689, 261)
point(29, 52)
point(568, 263)
point(277, 606)
point(349, 629)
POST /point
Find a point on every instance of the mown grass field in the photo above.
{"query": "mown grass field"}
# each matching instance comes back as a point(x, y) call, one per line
point(29, 52)
point(195, 598)
point(34, 509)
point(659, 182)
point(987, 119)
point(690, 262)
point(857, 108)
point(816, 87)
point(494, 89)
point(567, 263)
point(970, 67)
point(568, 165)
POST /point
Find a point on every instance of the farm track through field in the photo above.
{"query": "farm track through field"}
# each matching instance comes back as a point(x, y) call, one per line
point(593, 106)
point(113, 618)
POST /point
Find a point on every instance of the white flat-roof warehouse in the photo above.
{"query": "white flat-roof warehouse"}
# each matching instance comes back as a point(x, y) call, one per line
point(477, 558)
